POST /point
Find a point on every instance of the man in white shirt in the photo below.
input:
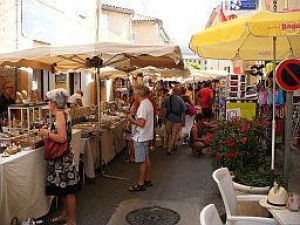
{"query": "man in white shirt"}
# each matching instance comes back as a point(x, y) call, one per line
point(75, 100)
point(142, 134)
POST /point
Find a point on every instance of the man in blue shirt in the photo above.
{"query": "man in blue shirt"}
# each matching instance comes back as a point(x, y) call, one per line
point(175, 115)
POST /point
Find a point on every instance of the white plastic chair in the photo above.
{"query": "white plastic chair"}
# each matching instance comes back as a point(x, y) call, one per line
point(209, 216)
point(224, 181)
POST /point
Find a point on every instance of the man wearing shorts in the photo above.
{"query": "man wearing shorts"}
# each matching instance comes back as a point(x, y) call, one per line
point(142, 135)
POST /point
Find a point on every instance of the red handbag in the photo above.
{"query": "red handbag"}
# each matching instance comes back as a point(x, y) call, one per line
point(54, 150)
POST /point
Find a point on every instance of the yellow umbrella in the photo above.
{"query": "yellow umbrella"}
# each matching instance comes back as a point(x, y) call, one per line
point(251, 37)
point(262, 36)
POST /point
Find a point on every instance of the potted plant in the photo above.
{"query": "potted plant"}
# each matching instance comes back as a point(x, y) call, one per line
point(240, 145)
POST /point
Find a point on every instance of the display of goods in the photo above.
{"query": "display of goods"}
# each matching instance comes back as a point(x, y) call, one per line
point(3, 146)
point(90, 126)
point(236, 87)
point(34, 97)
point(22, 97)
point(13, 149)
point(11, 135)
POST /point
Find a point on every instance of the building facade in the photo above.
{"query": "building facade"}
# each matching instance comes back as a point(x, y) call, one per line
point(149, 31)
point(32, 23)
point(115, 24)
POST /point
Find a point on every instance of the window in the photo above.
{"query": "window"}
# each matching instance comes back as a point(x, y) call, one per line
point(104, 23)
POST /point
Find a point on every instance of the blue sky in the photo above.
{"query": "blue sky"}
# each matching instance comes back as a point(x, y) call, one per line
point(181, 18)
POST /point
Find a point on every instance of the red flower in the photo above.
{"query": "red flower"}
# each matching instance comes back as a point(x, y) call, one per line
point(217, 127)
point(231, 142)
point(218, 156)
point(244, 129)
point(265, 122)
point(231, 155)
point(209, 138)
point(244, 140)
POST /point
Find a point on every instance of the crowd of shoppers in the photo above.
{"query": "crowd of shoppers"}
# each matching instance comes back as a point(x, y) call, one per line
point(173, 112)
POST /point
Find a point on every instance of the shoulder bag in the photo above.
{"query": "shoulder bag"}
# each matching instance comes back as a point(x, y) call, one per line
point(54, 150)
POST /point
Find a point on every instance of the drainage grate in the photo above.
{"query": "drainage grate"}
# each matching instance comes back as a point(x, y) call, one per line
point(153, 216)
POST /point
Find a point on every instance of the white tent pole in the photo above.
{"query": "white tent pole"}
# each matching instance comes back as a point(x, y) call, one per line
point(274, 90)
point(274, 105)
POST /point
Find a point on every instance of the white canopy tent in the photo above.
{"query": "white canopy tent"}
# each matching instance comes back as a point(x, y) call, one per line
point(96, 55)
point(77, 57)
point(163, 73)
point(204, 75)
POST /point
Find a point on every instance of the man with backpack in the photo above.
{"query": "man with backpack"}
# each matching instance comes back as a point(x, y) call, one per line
point(175, 118)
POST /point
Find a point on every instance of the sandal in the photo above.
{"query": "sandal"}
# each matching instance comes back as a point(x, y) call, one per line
point(148, 183)
point(59, 219)
point(137, 187)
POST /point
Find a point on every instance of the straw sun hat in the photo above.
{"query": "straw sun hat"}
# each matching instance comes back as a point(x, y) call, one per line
point(276, 199)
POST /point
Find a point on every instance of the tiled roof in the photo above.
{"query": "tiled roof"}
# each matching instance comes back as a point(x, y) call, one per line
point(117, 9)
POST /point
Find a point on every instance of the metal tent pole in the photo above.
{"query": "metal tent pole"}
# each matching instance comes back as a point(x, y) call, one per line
point(288, 135)
point(99, 132)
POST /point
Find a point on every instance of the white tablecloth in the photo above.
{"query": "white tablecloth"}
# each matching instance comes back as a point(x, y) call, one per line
point(23, 181)
point(112, 143)
point(88, 158)
point(22, 186)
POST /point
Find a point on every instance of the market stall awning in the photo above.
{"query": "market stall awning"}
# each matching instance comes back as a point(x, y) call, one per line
point(164, 73)
point(250, 37)
point(205, 75)
point(111, 73)
point(77, 57)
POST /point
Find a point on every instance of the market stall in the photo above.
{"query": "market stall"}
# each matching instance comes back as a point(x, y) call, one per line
point(111, 138)
point(104, 136)
point(23, 180)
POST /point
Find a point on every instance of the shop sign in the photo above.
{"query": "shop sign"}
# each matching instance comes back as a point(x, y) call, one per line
point(232, 114)
point(288, 75)
point(236, 5)
point(290, 27)
point(61, 78)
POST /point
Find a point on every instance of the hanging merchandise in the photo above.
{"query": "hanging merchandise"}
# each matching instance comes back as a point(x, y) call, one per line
point(279, 130)
point(236, 87)
point(269, 67)
point(257, 70)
